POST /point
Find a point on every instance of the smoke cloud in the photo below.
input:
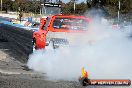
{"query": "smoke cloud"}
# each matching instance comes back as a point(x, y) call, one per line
point(104, 52)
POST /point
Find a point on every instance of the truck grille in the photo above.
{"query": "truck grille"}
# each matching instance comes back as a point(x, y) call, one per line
point(60, 41)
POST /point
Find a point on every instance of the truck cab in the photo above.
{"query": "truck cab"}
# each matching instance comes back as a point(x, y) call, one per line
point(57, 30)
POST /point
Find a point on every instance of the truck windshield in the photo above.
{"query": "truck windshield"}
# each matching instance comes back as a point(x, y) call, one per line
point(70, 23)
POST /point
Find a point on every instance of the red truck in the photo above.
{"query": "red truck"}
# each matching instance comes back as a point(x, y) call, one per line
point(54, 30)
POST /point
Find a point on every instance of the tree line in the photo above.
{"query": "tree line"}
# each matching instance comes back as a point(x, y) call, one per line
point(34, 6)
point(21, 5)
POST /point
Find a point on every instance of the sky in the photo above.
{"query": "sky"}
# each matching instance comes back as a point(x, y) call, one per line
point(69, 0)
point(65, 0)
point(77, 0)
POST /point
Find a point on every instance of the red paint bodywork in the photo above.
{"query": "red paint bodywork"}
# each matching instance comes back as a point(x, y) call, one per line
point(40, 35)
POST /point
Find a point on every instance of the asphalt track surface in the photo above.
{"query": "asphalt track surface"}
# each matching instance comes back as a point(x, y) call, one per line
point(15, 47)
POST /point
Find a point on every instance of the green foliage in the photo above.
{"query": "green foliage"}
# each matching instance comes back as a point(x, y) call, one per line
point(21, 5)
point(81, 8)
point(112, 5)
point(68, 8)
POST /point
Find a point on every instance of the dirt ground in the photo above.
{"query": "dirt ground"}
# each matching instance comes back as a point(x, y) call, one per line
point(13, 74)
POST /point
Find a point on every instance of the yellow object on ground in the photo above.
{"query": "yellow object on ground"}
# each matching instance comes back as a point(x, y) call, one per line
point(84, 73)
